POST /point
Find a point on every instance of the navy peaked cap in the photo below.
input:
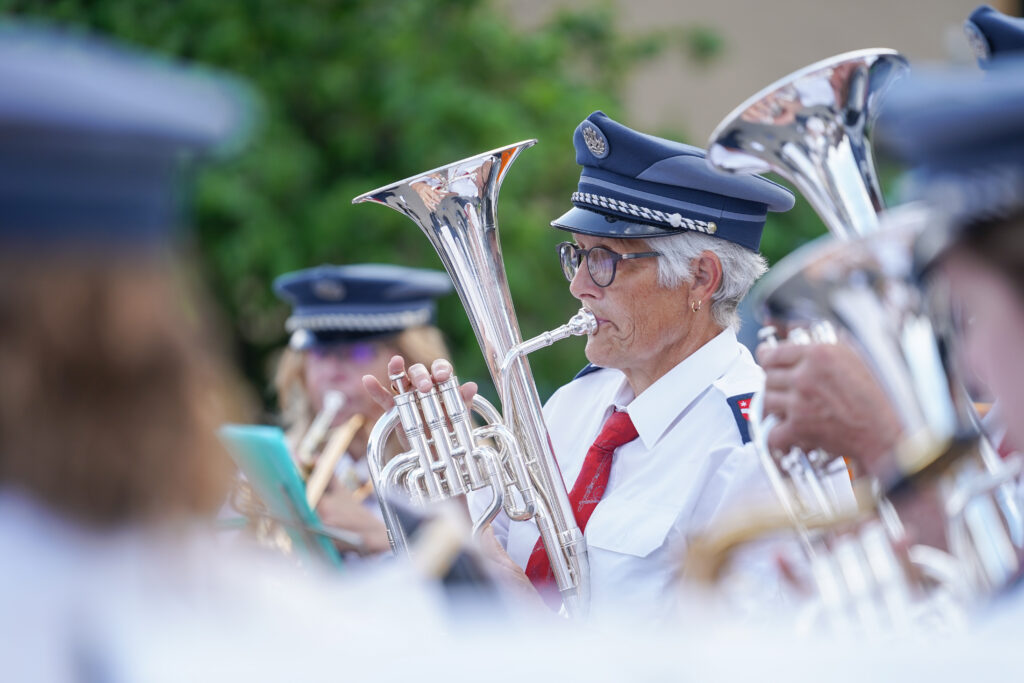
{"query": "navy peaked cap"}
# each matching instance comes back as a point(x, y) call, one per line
point(337, 304)
point(993, 35)
point(638, 185)
point(962, 134)
point(93, 136)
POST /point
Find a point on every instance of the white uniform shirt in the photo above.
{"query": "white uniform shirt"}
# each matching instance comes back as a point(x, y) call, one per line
point(688, 464)
point(175, 603)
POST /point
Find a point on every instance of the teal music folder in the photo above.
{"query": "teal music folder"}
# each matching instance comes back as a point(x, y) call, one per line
point(262, 455)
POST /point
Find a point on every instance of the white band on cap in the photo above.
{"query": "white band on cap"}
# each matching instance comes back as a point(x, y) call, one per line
point(358, 322)
point(675, 220)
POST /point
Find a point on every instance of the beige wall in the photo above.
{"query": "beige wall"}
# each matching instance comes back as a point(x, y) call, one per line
point(763, 41)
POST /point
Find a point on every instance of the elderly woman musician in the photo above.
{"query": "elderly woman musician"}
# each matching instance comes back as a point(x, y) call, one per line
point(650, 435)
point(348, 321)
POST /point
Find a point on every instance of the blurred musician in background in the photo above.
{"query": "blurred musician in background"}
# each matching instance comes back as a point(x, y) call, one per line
point(652, 432)
point(967, 163)
point(962, 138)
point(110, 467)
point(347, 321)
point(822, 394)
point(112, 388)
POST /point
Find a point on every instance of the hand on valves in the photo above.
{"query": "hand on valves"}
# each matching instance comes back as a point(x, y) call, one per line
point(825, 398)
point(503, 567)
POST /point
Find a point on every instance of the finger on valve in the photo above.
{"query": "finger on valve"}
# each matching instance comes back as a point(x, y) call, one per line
point(441, 370)
point(381, 395)
point(420, 377)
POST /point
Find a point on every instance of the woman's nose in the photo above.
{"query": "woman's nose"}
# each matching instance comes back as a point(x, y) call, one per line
point(582, 285)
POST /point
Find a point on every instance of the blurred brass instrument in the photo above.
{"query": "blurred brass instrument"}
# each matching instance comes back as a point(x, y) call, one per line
point(318, 451)
point(455, 207)
point(811, 128)
point(860, 563)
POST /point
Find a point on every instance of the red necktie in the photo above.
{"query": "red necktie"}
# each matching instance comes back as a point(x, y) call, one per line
point(589, 488)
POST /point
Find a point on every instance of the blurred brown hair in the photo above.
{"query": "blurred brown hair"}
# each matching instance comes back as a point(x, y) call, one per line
point(111, 389)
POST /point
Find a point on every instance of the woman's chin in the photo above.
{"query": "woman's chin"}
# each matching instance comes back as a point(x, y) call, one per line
point(598, 354)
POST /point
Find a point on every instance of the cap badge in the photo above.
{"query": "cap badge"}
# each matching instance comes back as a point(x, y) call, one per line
point(329, 290)
point(595, 140)
point(300, 339)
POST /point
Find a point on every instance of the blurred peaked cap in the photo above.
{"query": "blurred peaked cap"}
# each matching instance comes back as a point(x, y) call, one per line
point(638, 185)
point(962, 134)
point(70, 84)
point(993, 34)
point(94, 135)
point(336, 304)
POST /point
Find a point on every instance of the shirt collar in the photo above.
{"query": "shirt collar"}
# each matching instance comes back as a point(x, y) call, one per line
point(658, 407)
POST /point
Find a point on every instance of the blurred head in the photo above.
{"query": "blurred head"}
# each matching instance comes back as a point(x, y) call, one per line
point(303, 377)
point(992, 34)
point(346, 322)
point(112, 389)
point(962, 135)
point(680, 238)
point(985, 269)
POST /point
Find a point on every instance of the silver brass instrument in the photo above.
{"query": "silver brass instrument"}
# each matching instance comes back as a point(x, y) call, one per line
point(455, 207)
point(866, 289)
point(807, 472)
point(811, 127)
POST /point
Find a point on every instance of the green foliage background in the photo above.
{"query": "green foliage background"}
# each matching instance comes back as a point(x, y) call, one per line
point(359, 93)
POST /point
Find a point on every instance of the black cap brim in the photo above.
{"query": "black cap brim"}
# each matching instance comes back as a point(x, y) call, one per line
point(601, 225)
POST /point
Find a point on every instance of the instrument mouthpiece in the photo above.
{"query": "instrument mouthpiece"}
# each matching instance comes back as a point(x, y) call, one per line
point(584, 322)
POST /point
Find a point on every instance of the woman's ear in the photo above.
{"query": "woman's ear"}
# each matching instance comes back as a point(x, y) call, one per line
point(707, 276)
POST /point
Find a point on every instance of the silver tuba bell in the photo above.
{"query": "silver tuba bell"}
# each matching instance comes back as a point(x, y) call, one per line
point(811, 128)
point(455, 207)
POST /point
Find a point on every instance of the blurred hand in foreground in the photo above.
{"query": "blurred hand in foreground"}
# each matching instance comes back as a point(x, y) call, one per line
point(826, 398)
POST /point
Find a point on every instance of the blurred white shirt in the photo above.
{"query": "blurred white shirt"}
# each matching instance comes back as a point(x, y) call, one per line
point(176, 603)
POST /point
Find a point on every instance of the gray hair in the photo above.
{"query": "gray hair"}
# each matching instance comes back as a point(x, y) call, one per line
point(740, 269)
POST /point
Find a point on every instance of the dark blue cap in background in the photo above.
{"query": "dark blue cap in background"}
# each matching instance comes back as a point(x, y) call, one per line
point(340, 304)
point(642, 186)
point(962, 134)
point(93, 137)
point(993, 34)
